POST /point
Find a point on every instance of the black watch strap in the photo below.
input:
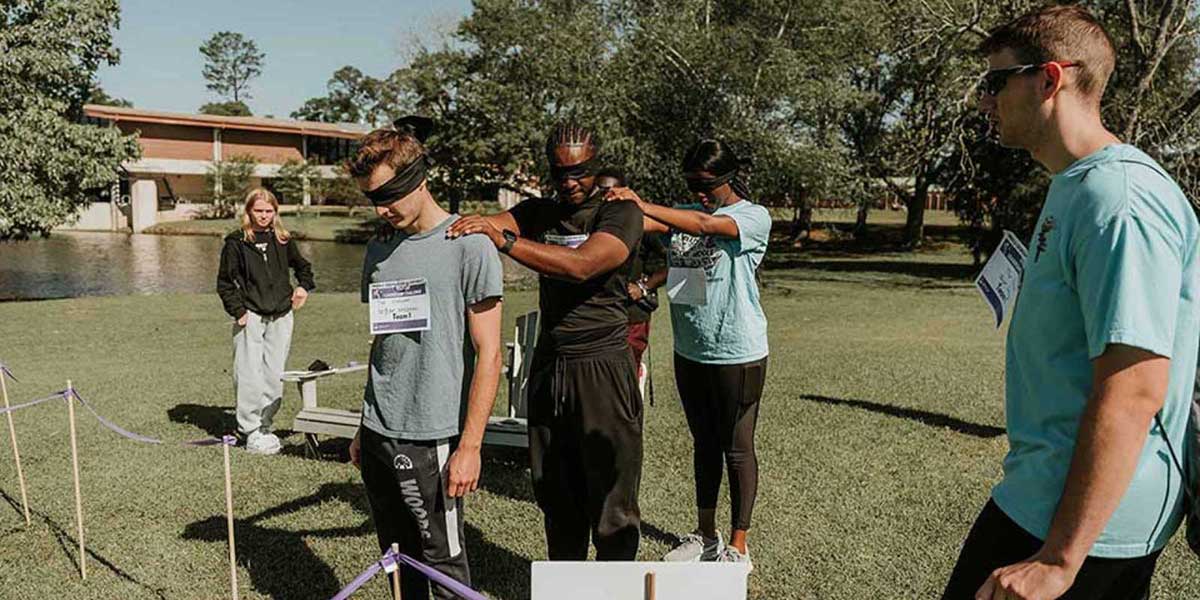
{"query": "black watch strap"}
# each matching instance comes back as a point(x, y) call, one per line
point(510, 238)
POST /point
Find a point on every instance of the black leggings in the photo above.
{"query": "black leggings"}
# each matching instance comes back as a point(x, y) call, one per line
point(721, 404)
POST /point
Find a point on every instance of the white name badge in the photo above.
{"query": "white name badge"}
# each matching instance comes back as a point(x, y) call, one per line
point(1000, 279)
point(687, 286)
point(399, 306)
point(570, 241)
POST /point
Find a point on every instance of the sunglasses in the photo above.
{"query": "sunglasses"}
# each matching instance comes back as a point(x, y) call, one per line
point(994, 81)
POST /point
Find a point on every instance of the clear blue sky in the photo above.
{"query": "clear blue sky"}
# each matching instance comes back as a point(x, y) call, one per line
point(305, 41)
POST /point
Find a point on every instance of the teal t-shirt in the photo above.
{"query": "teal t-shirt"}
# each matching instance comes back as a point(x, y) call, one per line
point(730, 328)
point(1113, 260)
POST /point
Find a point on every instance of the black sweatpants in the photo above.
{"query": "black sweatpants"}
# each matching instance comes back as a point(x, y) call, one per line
point(997, 541)
point(585, 454)
point(721, 405)
point(406, 486)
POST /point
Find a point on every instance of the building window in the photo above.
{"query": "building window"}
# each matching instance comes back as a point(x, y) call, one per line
point(329, 150)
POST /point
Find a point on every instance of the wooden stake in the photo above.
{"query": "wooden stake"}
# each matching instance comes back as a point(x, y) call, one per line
point(229, 519)
point(650, 585)
point(75, 471)
point(396, 574)
point(12, 435)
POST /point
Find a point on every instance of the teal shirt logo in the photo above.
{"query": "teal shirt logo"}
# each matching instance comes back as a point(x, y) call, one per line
point(1047, 227)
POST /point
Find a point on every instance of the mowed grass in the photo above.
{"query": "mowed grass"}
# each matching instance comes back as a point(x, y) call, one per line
point(880, 436)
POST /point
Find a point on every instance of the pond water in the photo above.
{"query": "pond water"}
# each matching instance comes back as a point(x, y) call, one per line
point(67, 265)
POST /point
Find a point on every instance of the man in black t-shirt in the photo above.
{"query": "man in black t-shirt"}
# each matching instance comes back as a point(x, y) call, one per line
point(585, 412)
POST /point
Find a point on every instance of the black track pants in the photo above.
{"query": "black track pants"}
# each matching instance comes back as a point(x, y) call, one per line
point(406, 486)
point(585, 454)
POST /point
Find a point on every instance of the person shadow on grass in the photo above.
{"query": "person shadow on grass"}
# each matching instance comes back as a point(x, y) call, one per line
point(280, 562)
point(282, 565)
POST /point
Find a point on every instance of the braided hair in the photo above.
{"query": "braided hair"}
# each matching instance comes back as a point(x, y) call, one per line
point(570, 133)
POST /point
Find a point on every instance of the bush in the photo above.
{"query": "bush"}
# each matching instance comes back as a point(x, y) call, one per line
point(228, 182)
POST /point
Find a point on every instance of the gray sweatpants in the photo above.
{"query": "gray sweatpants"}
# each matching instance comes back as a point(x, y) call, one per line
point(260, 350)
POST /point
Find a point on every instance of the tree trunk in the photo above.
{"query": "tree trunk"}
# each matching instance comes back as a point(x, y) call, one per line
point(801, 218)
point(860, 220)
point(914, 226)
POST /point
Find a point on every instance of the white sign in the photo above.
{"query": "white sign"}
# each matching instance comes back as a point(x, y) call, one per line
point(627, 580)
point(687, 285)
point(569, 241)
point(1000, 279)
point(399, 306)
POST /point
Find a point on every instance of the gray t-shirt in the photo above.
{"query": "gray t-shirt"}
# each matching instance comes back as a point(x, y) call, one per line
point(419, 381)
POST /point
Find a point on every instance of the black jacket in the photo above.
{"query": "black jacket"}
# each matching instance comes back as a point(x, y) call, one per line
point(258, 281)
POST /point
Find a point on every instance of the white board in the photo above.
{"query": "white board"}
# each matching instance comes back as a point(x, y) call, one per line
point(627, 580)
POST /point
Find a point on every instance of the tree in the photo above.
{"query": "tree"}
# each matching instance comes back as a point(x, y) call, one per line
point(646, 77)
point(99, 96)
point(341, 190)
point(226, 109)
point(50, 162)
point(357, 98)
point(228, 181)
point(230, 61)
point(294, 178)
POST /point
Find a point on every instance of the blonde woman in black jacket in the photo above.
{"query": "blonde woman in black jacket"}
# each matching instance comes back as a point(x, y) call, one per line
point(256, 290)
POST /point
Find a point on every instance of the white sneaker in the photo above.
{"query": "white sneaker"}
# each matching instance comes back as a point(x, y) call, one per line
point(731, 554)
point(262, 443)
point(273, 440)
point(696, 548)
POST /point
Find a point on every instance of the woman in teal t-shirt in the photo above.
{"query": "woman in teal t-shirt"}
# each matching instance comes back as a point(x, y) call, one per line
point(720, 332)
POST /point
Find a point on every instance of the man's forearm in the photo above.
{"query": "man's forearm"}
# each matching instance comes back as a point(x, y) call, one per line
point(559, 262)
point(481, 397)
point(1112, 432)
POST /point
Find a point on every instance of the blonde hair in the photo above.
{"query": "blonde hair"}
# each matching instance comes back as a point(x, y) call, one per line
point(265, 195)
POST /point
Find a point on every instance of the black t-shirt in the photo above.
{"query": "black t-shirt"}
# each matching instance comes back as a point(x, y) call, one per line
point(262, 241)
point(590, 317)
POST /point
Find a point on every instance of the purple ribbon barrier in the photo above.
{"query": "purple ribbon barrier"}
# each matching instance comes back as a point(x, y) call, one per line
point(112, 426)
point(393, 559)
point(16, 407)
point(388, 560)
point(228, 440)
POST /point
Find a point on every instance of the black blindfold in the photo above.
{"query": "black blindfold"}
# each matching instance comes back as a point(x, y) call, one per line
point(708, 184)
point(582, 170)
point(405, 182)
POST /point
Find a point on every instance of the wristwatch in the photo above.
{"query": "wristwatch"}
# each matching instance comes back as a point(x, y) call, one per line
point(641, 283)
point(510, 238)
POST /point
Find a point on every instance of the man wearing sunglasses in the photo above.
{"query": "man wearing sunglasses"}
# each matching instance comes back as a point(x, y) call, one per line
point(585, 412)
point(1101, 351)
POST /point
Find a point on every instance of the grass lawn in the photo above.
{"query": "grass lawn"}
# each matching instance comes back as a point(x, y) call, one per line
point(880, 436)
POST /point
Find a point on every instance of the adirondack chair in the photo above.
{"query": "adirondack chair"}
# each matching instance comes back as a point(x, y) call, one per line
point(510, 430)
point(513, 430)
